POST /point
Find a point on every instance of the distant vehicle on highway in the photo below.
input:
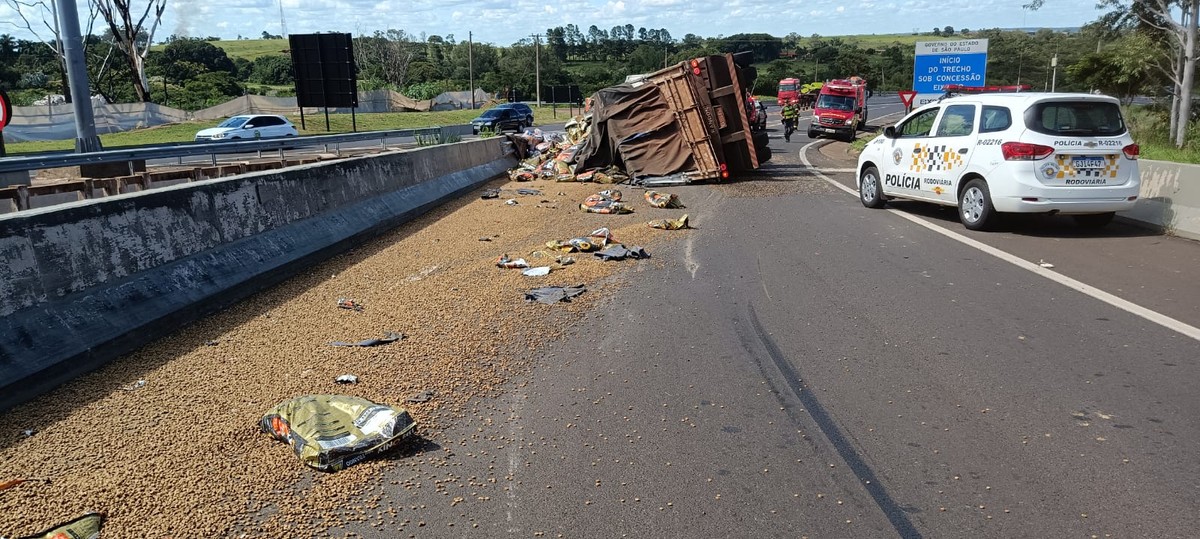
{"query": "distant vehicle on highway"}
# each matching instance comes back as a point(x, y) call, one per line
point(994, 153)
point(249, 126)
point(524, 109)
point(497, 119)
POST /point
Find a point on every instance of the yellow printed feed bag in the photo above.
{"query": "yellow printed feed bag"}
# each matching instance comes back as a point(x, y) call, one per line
point(331, 432)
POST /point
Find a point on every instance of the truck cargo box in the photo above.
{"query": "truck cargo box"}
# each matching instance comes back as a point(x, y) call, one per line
point(691, 118)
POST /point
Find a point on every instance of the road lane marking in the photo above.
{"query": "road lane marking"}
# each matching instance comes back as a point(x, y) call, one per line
point(761, 280)
point(514, 458)
point(689, 260)
point(1084, 288)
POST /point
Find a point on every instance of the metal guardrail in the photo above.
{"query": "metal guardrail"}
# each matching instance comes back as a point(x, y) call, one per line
point(186, 149)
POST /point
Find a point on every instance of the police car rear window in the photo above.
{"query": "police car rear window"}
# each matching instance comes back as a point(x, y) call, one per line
point(1078, 118)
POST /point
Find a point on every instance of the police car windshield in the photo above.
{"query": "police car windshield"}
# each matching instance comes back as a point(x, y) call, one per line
point(836, 102)
point(1076, 118)
point(236, 121)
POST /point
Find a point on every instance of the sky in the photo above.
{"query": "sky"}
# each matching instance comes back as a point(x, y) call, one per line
point(504, 22)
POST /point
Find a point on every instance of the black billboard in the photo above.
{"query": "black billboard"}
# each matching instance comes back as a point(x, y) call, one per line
point(564, 94)
point(325, 72)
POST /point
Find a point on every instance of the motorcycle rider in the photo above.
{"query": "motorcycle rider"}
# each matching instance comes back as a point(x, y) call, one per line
point(791, 114)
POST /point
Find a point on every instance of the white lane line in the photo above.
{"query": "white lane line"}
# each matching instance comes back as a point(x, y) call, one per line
point(689, 259)
point(758, 262)
point(514, 458)
point(1089, 290)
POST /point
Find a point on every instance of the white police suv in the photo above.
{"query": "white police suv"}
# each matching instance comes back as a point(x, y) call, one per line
point(1019, 152)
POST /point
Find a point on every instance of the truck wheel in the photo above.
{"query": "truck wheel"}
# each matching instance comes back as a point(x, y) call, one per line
point(870, 189)
point(975, 206)
point(850, 135)
point(812, 134)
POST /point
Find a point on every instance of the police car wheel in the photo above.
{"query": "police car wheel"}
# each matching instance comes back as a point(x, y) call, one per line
point(1094, 220)
point(975, 206)
point(870, 190)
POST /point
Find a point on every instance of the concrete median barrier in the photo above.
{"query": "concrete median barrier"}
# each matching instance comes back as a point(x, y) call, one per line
point(83, 283)
point(1170, 198)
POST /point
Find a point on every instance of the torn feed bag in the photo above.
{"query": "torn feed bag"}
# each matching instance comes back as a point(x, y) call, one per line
point(331, 432)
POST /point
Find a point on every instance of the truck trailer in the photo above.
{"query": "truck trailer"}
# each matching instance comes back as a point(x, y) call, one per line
point(690, 120)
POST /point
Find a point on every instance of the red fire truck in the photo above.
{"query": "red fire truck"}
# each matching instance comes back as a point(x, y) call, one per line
point(789, 89)
point(841, 109)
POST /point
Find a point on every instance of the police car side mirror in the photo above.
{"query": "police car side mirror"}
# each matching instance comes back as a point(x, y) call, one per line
point(889, 132)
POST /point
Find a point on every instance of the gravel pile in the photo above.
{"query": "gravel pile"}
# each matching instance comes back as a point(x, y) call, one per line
point(166, 441)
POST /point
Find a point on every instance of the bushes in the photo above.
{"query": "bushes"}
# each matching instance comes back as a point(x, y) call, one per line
point(272, 69)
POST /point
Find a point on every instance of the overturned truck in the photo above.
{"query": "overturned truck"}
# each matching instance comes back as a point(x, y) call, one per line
point(689, 122)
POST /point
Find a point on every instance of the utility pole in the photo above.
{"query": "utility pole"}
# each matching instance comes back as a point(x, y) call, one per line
point(1054, 76)
point(81, 102)
point(537, 51)
point(471, 67)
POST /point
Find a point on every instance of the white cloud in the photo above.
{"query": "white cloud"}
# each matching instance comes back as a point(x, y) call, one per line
point(841, 9)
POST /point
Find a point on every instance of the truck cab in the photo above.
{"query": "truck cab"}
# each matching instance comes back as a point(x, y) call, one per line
point(840, 110)
point(788, 90)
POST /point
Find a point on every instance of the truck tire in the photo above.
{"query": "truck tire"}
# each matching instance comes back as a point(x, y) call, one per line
point(762, 149)
point(812, 134)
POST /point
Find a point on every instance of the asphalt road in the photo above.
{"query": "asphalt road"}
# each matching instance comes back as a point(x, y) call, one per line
point(801, 366)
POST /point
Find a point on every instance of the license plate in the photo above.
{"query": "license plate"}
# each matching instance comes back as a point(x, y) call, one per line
point(1087, 163)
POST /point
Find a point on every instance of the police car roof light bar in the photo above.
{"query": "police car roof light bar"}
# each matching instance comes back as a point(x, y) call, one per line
point(960, 89)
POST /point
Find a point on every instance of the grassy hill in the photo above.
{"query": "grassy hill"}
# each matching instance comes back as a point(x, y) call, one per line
point(252, 48)
point(878, 41)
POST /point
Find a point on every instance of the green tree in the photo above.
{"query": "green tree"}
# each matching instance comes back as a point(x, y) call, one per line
point(764, 46)
point(647, 58)
point(272, 69)
point(185, 58)
point(1120, 69)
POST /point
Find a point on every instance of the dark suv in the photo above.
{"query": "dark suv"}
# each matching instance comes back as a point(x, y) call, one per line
point(524, 109)
point(499, 119)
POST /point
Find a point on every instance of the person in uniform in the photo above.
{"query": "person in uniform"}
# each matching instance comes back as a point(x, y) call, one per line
point(790, 113)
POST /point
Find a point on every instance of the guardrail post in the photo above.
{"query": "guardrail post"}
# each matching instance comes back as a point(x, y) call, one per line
point(22, 197)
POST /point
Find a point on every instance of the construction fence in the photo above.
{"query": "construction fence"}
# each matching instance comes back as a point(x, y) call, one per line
point(57, 121)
